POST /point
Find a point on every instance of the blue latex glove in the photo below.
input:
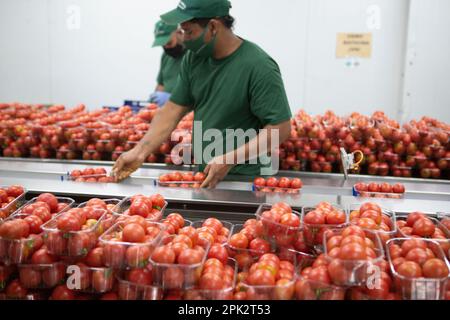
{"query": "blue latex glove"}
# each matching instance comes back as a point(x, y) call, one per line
point(160, 98)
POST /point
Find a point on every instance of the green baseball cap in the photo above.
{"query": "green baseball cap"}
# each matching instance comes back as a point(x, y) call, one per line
point(192, 9)
point(163, 32)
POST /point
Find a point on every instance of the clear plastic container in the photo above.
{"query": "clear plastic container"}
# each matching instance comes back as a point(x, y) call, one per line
point(353, 272)
point(313, 233)
point(176, 276)
point(42, 276)
point(419, 288)
point(67, 201)
point(132, 291)
point(122, 210)
point(306, 289)
point(384, 235)
point(71, 244)
point(122, 255)
point(278, 234)
point(15, 251)
point(12, 206)
point(199, 223)
point(443, 243)
point(222, 294)
point(275, 190)
point(368, 194)
point(180, 184)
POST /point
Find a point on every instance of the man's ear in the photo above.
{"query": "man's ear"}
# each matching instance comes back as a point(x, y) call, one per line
point(215, 26)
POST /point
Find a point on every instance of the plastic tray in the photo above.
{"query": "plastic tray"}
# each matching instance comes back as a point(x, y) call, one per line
point(384, 235)
point(222, 294)
point(314, 233)
point(42, 276)
point(176, 276)
point(12, 206)
point(354, 272)
point(71, 244)
point(277, 233)
point(367, 194)
point(122, 207)
point(419, 288)
point(121, 252)
point(275, 190)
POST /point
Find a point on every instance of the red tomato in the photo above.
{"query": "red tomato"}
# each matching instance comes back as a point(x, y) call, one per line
point(296, 183)
point(410, 244)
point(15, 191)
point(211, 281)
point(15, 290)
point(62, 293)
point(35, 224)
point(238, 241)
point(102, 280)
point(199, 177)
point(42, 256)
point(335, 217)
point(133, 232)
point(158, 201)
point(259, 182)
point(424, 227)
point(259, 245)
point(352, 251)
point(139, 208)
point(413, 217)
point(140, 276)
point(435, 268)
point(189, 257)
point(164, 254)
point(51, 200)
point(68, 223)
point(219, 252)
point(30, 277)
point(214, 224)
point(261, 277)
point(353, 230)
point(272, 182)
point(284, 183)
point(314, 217)
point(43, 213)
point(369, 206)
point(137, 256)
point(410, 269)
point(418, 255)
point(14, 229)
point(54, 275)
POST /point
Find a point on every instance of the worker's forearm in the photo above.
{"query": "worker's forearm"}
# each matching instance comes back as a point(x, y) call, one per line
point(263, 144)
point(165, 121)
point(159, 87)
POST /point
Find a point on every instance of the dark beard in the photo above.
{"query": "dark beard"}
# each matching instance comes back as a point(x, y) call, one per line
point(175, 52)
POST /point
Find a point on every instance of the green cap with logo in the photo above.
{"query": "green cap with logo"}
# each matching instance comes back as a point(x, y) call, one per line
point(193, 9)
point(163, 32)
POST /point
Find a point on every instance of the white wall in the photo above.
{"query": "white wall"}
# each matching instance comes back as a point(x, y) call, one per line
point(110, 57)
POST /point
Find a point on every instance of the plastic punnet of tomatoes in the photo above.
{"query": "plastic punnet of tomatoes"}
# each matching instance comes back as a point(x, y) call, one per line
point(109, 205)
point(217, 281)
point(375, 190)
point(90, 175)
point(55, 205)
point(6, 271)
point(317, 220)
point(419, 268)
point(282, 185)
point(246, 243)
point(20, 237)
point(94, 279)
point(220, 230)
point(418, 224)
point(370, 216)
point(270, 278)
point(177, 262)
point(42, 275)
point(130, 242)
point(73, 233)
point(136, 284)
point(149, 207)
point(281, 224)
point(174, 224)
point(350, 254)
point(185, 180)
point(10, 197)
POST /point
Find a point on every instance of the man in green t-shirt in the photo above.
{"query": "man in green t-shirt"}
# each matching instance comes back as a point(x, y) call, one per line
point(232, 85)
point(171, 39)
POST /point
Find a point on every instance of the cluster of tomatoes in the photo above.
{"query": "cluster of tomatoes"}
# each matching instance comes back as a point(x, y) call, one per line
point(316, 221)
point(8, 197)
point(376, 190)
point(91, 175)
point(182, 180)
point(282, 185)
point(22, 234)
point(148, 207)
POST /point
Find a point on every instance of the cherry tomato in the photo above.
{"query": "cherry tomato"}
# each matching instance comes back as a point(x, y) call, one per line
point(435, 268)
point(62, 293)
point(164, 254)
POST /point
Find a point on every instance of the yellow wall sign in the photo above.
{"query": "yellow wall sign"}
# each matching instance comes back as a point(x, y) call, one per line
point(354, 45)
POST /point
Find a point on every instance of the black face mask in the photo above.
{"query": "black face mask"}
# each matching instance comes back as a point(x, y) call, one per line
point(175, 52)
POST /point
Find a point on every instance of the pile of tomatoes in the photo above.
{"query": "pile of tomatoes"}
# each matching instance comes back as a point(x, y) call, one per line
point(148, 207)
point(376, 190)
point(182, 180)
point(281, 185)
point(8, 196)
point(91, 175)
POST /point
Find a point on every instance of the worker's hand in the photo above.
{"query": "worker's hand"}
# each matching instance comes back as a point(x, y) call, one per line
point(215, 172)
point(160, 98)
point(128, 163)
